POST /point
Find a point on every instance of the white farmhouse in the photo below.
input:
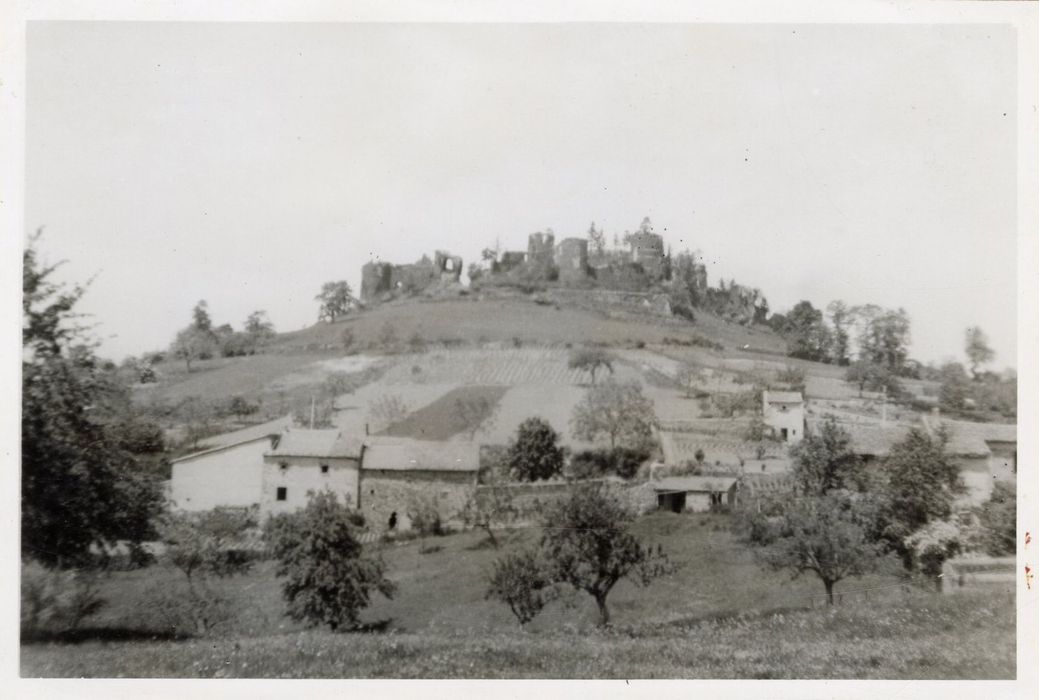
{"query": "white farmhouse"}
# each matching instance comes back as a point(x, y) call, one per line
point(784, 412)
point(310, 460)
point(228, 471)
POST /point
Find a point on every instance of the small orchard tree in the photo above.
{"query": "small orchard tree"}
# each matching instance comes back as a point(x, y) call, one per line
point(491, 510)
point(617, 411)
point(193, 343)
point(825, 461)
point(203, 546)
point(328, 577)
point(386, 410)
point(830, 536)
point(535, 453)
point(336, 299)
point(872, 376)
point(591, 360)
point(259, 329)
point(521, 581)
point(586, 544)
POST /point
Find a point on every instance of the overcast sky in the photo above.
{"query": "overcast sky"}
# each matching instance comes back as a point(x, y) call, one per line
point(246, 164)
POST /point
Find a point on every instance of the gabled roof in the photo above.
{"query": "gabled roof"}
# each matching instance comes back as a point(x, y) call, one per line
point(404, 454)
point(239, 437)
point(782, 397)
point(329, 443)
point(708, 484)
point(873, 439)
point(679, 448)
point(984, 432)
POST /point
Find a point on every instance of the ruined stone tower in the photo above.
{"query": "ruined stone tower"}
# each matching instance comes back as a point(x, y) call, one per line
point(572, 259)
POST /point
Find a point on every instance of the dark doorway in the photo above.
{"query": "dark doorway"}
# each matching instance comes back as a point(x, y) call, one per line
point(674, 502)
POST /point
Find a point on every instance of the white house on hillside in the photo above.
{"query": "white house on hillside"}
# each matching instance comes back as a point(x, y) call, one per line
point(228, 471)
point(310, 460)
point(784, 412)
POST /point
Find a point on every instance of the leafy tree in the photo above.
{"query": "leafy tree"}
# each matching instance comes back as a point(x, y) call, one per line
point(874, 377)
point(586, 544)
point(619, 411)
point(387, 410)
point(535, 453)
point(883, 335)
point(200, 317)
point(491, 509)
point(955, 387)
point(998, 518)
point(596, 242)
point(192, 344)
point(825, 461)
point(807, 333)
point(336, 299)
point(259, 327)
point(591, 360)
point(328, 578)
point(691, 378)
point(622, 461)
point(922, 484)
point(830, 536)
point(978, 350)
point(840, 319)
point(521, 581)
point(80, 486)
point(209, 543)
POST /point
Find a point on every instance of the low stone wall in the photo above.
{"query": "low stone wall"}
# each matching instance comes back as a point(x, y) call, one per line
point(383, 492)
point(531, 499)
point(979, 574)
point(610, 299)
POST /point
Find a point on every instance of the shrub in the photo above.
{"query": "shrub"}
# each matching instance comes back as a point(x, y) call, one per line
point(535, 453)
point(56, 601)
point(425, 516)
point(328, 579)
point(520, 580)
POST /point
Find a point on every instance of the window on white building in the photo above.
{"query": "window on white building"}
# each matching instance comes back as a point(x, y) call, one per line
point(283, 493)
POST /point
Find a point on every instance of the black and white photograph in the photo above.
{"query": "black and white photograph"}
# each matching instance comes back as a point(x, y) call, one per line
point(509, 349)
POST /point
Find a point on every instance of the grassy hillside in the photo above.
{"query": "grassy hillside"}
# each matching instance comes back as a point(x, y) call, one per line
point(719, 616)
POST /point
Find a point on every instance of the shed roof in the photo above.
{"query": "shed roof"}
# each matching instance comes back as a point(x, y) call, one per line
point(404, 454)
point(711, 484)
point(783, 397)
point(681, 447)
point(316, 443)
point(984, 432)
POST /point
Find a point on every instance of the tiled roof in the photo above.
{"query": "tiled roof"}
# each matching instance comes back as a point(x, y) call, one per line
point(974, 432)
point(240, 437)
point(403, 454)
point(712, 484)
point(316, 443)
point(679, 448)
point(783, 397)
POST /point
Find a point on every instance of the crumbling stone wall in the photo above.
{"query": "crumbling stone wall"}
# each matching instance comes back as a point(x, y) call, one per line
point(448, 266)
point(381, 281)
point(541, 252)
point(572, 260)
point(647, 249)
point(383, 492)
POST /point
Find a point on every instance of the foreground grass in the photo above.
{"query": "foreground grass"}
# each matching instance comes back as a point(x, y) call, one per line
point(904, 635)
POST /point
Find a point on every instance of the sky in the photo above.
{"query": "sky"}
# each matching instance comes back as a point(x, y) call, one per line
point(247, 164)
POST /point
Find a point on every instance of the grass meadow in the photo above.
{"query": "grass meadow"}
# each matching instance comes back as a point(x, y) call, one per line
point(718, 616)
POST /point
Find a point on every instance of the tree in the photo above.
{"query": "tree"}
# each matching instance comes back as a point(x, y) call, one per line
point(840, 319)
point(922, 484)
point(591, 360)
point(807, 334)
point(79, 485)
point(690, 378)
point(491, 509)
point(520, 580)
point(328, 578)
point(825, 461)
point(883, 336)
point(535, 453)
point(586, 545)
point(978, 350)
point(200, 317)
point(618, 411)
point(386, 410)
point(998, 516)
point(193, 343)
point(871, 376)
point(829, 535)
point(336, 299)
point(955, 387)
point(259, 329)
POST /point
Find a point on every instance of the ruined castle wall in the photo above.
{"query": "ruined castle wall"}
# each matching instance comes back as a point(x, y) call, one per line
point(647, 249)
point(572, 260)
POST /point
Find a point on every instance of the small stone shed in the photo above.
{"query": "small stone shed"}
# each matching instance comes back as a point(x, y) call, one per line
point(696, 494)
point(399, 475)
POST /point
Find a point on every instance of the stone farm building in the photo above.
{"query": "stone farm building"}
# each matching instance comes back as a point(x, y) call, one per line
point(275, 471)
point(696, 494)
